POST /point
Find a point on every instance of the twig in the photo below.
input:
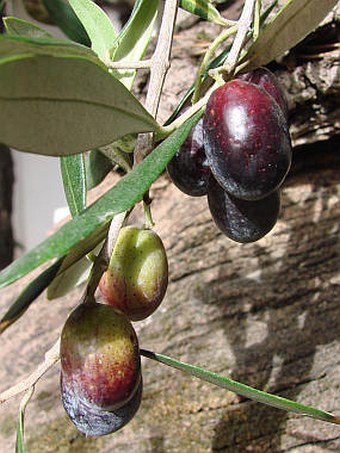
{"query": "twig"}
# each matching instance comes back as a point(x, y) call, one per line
point(161, 56)
point(159, 65)
point(51, 358)
point(243, 25)
point(143, 64)
point(159, 68)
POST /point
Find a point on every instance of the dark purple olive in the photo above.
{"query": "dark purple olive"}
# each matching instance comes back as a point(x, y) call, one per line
point(246, 140)
point(189, 169)
point(266, 80)
point(242, 220)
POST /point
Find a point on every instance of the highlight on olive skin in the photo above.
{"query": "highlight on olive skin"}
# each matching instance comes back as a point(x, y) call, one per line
point(137, 276)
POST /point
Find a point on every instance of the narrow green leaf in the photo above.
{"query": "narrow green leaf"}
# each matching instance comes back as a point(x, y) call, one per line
point(28, 295)
point(65, 18)
point(125, 194)
point(15, 26)
point(61, 105)
point(242, 389)
point(20, 444)
point(97, 167)
point(75, 275)
point(74, 181)
point(203, 9)
point(97, 24)
point(295, 20)
point(133, 40)
point(67, 279)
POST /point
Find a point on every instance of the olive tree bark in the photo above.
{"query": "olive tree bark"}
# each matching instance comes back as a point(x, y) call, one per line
point(266, 313)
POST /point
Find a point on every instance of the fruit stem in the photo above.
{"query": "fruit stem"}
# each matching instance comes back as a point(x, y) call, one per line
point(207, 57)
point(149, 223)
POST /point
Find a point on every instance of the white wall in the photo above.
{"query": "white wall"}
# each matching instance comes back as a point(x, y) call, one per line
point(38, 193)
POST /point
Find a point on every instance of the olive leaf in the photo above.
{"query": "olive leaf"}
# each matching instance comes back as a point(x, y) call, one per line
point(20, 444)
point(242, 389)
point(65, 18)
point(15, 26)
point(74, 181)
point(97, 25)
point(58, 99)
point(72, 167)
point(294, 21)
point(203, 9)
point(70, 278)
point(97, 167)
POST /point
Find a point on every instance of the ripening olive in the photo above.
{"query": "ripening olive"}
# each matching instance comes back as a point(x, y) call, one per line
point(100, 359)
point(137, 277)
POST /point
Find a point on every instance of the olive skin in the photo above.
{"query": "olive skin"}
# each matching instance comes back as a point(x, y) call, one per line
point(90, 420)
point(137, 276)
point(189, 169)
point(266, 80)
point(242, 220)
point(100, 358)
point(246, 140)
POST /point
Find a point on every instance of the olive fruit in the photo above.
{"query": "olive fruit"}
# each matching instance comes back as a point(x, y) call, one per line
point(246, 140)
point(93, 421)
point(100, 358)
point(266, 80)
point(137, 276)
point(242, 220)
point(189, 169)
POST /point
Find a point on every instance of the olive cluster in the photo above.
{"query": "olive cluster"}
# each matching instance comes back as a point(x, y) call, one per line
point(101, 378)
point(238, 155)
